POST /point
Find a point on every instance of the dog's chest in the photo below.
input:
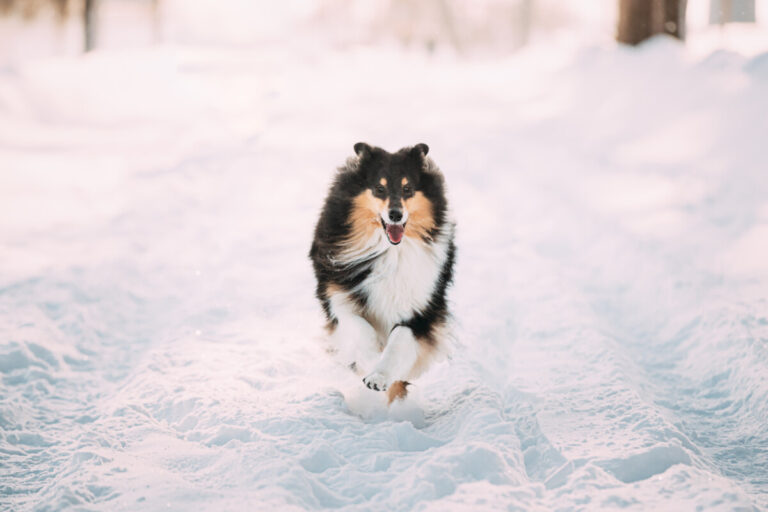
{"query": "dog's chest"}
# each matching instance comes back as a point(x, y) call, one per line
point(401, 283)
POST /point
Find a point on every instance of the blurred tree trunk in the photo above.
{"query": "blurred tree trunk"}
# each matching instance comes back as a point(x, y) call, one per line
point(634, 21)
point(62, 8)
point(450, 26)
point(89, 24)
point(526, 19)
point(669, 17)
point(731, 11)
point(641, 19)
point(157, 22)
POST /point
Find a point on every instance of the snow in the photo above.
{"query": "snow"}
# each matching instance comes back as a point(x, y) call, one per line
point(161, 349)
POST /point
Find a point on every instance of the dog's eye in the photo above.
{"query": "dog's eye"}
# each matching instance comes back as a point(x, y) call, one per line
point(407, 190)
point(380, 191)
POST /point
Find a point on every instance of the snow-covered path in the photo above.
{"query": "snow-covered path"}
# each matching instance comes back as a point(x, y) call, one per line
point(160, 346)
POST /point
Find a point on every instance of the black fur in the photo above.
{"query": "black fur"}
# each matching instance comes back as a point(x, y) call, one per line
point(365, 172)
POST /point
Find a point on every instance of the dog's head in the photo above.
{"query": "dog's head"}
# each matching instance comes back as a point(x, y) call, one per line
point(403, 192)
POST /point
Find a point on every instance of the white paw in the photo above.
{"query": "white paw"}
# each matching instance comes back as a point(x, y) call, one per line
point(376, 381)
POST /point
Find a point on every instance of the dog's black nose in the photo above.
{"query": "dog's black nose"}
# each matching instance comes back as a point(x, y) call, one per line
point(395, 215)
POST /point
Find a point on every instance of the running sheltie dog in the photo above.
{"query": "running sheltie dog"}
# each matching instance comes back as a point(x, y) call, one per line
point(383, 256)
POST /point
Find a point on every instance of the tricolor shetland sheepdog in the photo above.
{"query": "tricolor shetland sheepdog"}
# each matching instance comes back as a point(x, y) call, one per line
point(383, 256)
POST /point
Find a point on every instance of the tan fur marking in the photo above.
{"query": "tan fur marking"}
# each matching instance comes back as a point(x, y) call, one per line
point(364, 218)
point(397, 391)
point(330, 290)
point(404, 181)
point(383, 181)
point(420, 219)
point(425, 357)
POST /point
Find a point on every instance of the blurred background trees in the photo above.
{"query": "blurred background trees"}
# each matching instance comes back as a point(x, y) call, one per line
point(461, 26)
point(31, 8)
point(84, 17)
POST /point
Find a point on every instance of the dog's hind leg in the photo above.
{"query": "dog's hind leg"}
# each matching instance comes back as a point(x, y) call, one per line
point(397, 391)
point(399, 360)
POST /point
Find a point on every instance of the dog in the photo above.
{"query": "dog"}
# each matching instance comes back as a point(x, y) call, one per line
point(383, 255)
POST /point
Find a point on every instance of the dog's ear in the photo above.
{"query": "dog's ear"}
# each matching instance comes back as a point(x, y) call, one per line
point(420, 149)
point(362, 149)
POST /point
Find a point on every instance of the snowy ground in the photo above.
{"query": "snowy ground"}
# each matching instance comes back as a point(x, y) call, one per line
point(160, 346)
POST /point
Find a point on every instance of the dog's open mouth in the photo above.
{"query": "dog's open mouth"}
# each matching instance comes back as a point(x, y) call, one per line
point(394, 232)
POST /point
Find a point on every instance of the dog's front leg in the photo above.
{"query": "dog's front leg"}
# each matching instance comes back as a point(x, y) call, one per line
point(353, 338)
point(397, 361)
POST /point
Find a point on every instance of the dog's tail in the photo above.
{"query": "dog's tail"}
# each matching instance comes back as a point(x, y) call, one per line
point(397, 391)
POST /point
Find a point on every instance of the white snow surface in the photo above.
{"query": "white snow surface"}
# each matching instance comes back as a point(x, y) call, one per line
point(161, 347)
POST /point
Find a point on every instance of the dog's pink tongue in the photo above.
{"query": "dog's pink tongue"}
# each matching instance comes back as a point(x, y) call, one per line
point(395, 233)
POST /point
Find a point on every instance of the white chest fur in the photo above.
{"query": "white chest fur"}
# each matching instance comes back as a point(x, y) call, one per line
point(402, 281)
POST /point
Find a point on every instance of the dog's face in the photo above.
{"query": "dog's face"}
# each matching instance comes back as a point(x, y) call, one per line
point(398, 196)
